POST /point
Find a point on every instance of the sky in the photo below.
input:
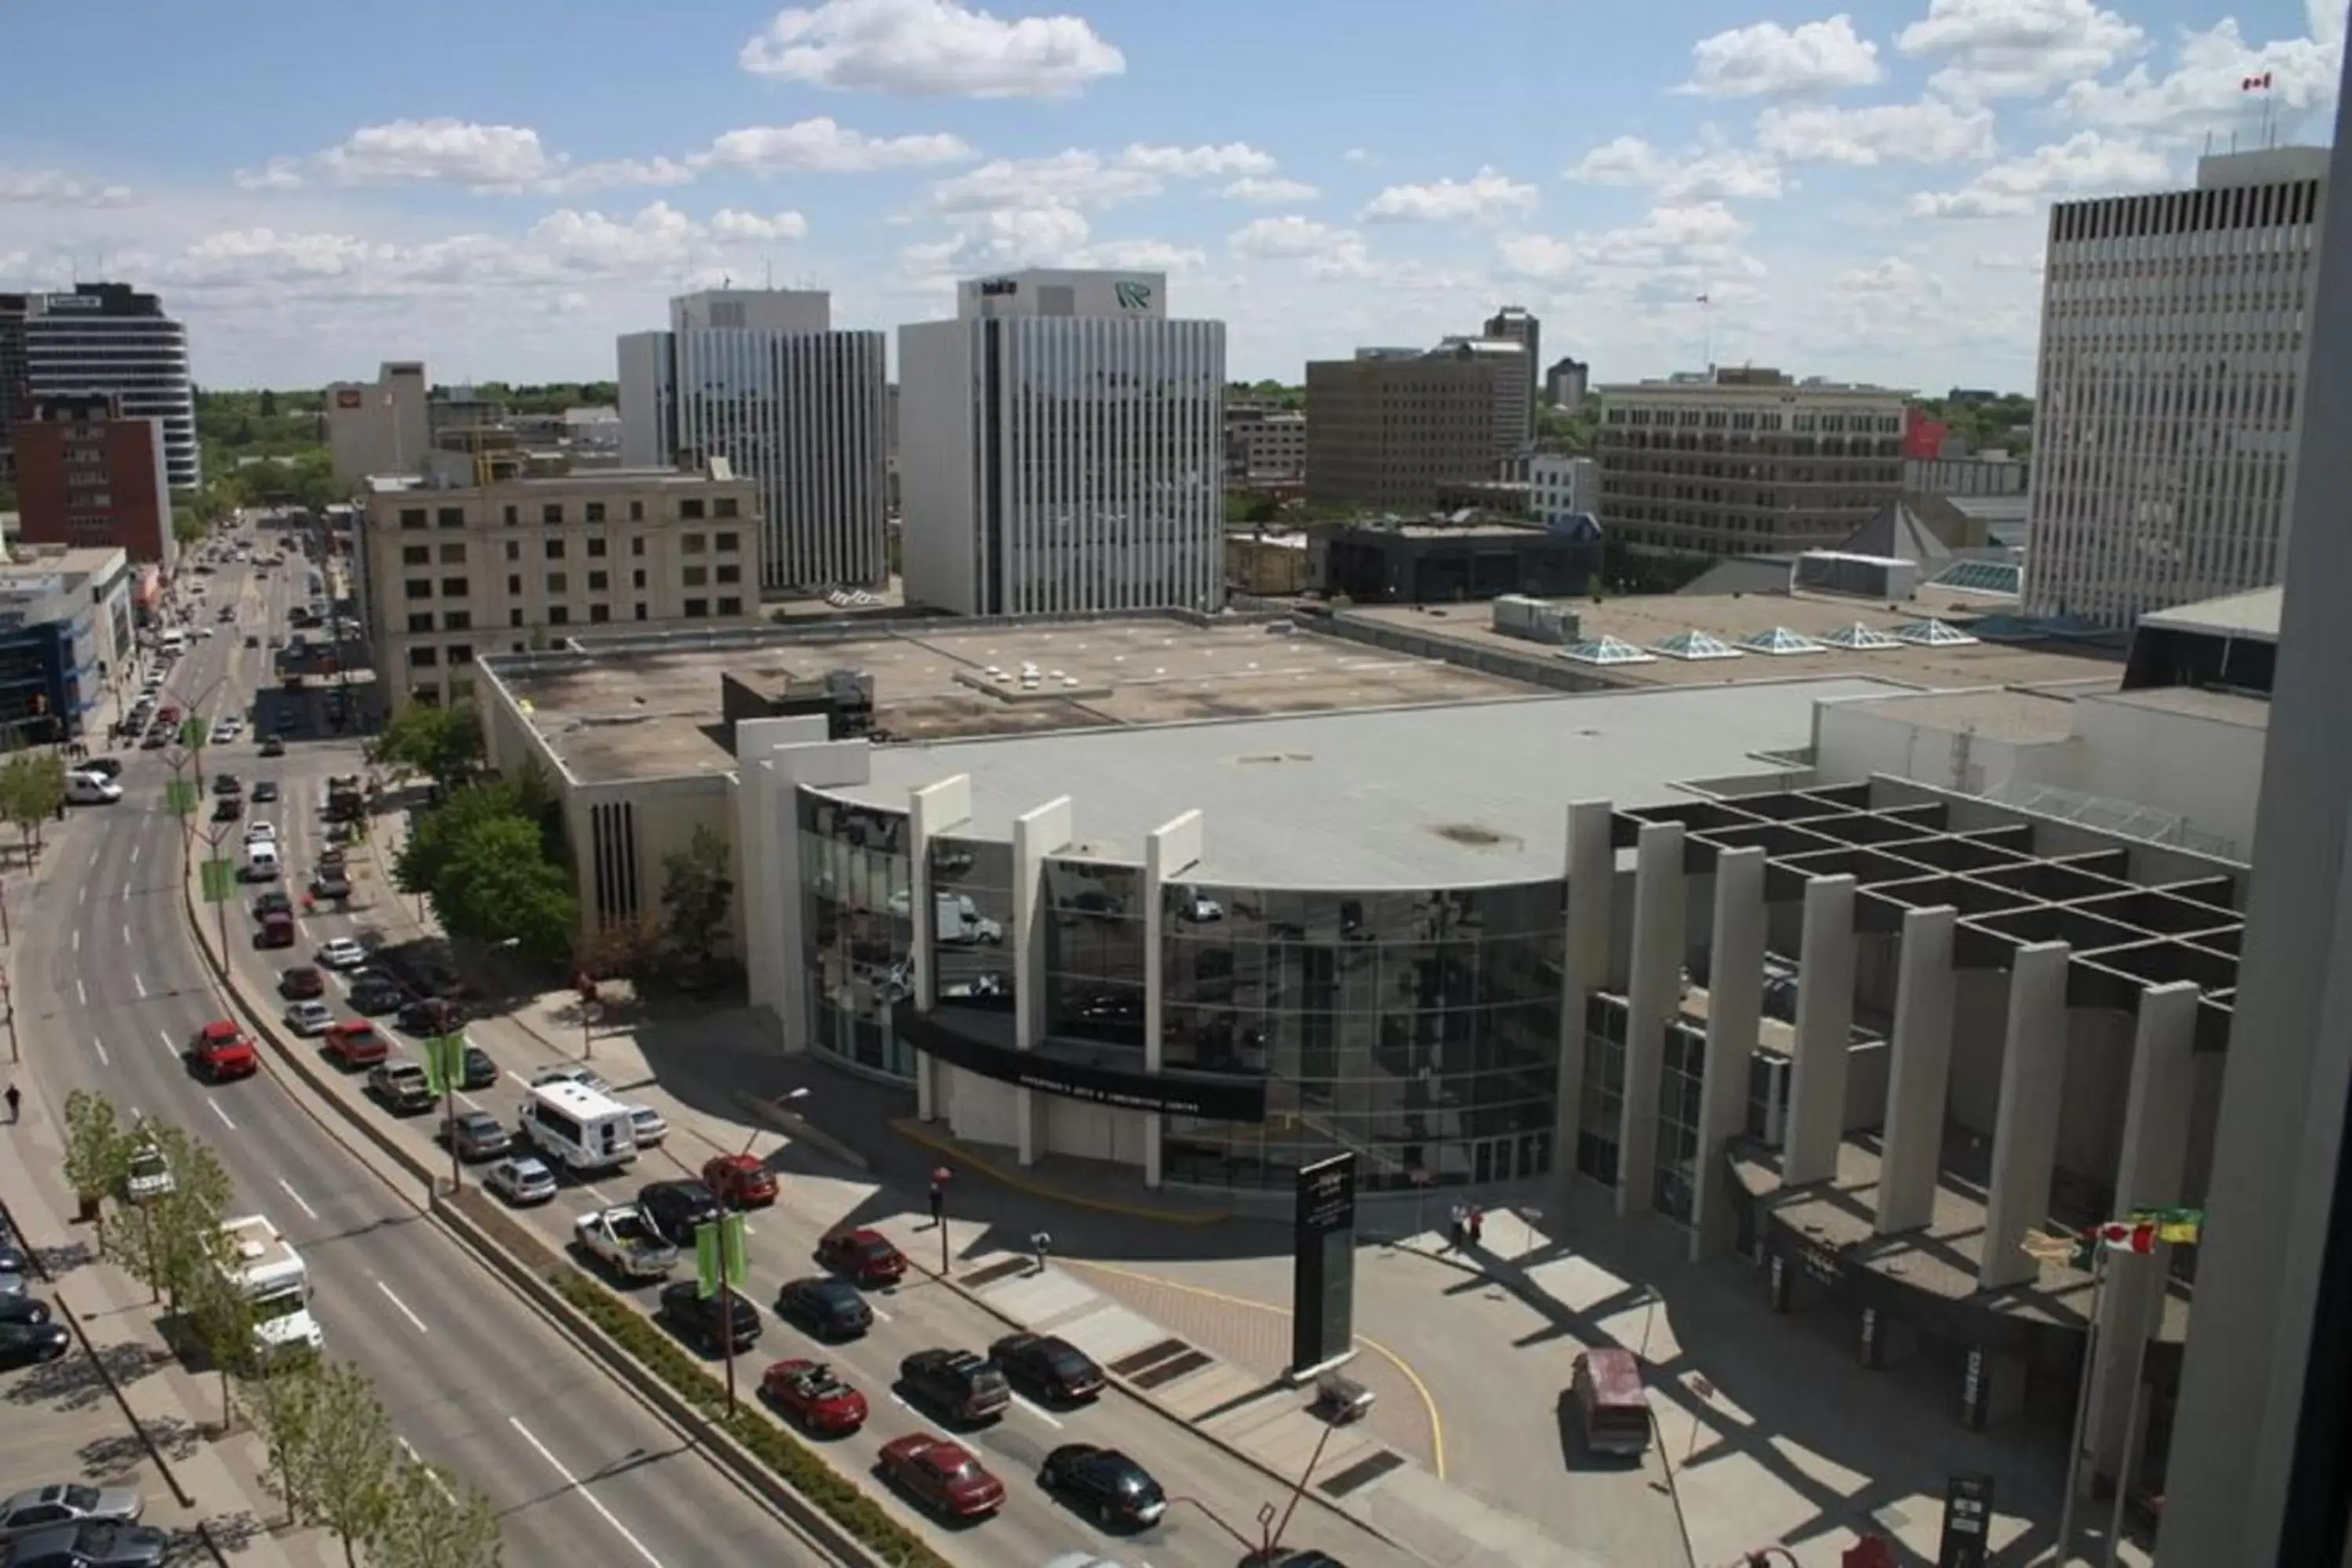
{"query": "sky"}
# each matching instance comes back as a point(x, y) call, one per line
point(499, 188)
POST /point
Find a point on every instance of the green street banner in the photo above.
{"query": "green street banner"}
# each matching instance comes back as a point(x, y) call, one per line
point(192, 733)
point(716, 1240)
point(179, 797)
point(445, 1062)
point(220, 881)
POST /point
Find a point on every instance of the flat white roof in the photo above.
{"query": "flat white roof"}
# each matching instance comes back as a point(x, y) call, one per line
point(1412, 797)
point(2252, 613)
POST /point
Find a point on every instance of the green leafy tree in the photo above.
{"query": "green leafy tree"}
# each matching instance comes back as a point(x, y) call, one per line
point(349, 1466)
point(187, 527)
point(434, 1520)
point(500, 886)
point(697, 893)
point(444, 744)
point(268, 402)
point(98, 1152)
point(178, 1247)
point(283, 1401)
point(223, 1320)
point(32, 791)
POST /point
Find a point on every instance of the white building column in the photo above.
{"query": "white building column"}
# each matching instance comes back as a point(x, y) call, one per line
point(2148, 1175)
point(1172, 849)
point(930, 810)
point(1652, 1001)
point(1824, 1040)
point(1735, 1012)
point(1036, 836)
point(1584, 965)
point(2025, 1126)
point(1912, 1149)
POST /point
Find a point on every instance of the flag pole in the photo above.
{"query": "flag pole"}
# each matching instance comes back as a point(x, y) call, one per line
point(2162, 1260)
point(2082, 1407)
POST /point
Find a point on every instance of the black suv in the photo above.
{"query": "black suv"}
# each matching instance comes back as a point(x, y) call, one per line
point(675, 1208)
point(1049, 1365)
point(373, 995)
point(957, 1383)
point(701, 1319)
point(829, 1308)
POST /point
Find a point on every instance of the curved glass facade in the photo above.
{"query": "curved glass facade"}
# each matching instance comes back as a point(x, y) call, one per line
point(1094, 951)
point(971, 922)
point(857, 931)
point(1420, 1029)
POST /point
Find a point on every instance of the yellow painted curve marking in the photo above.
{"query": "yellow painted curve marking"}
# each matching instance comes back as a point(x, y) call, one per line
point(1428, 1400)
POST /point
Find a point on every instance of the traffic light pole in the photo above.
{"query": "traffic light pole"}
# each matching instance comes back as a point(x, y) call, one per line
point(727, 1310)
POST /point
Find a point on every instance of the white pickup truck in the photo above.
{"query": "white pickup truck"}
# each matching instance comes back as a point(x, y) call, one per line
point(621, 1240)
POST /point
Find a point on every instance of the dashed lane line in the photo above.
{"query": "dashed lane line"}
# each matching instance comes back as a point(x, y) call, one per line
point(286, 1187)
point(100, 1046)
point(588, 1497)
point(224, 1122)
point(406, 1311)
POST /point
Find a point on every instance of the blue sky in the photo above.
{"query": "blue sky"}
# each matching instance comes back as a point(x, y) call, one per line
point(499, 188)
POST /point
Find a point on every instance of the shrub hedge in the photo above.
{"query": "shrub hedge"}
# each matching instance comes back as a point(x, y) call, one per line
point(835, 1495)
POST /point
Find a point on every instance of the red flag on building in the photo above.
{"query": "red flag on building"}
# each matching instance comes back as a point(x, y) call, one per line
point(2128, 1236)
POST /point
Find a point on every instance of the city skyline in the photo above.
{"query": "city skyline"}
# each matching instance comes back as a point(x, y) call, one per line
point(1855, 196)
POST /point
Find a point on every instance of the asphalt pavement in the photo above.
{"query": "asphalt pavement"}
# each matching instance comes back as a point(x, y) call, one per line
point(109, 987)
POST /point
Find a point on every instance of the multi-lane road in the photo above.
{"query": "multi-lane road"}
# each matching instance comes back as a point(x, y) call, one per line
point(475, 1378)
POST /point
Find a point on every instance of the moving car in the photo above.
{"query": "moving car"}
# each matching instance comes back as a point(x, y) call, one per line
point(862, 1255)
point(27, 1344)
point(342, 952)
point(569, 1072)
point(276, 930)
point(400, 1085)
point(356, 1044)
point(521, 1180)
point(810, 1394)
point(272, 745)
point(430, 1016)
point(101, 767)
point(712, 1320)
point(375, 995)
point(479, 1071)
point(261, 831)
point(944, 1477)
point(1104, 1482)
point(221, 1051)
point(264, 790)
point(1613, 1406)
point(147, 1174)
point(830, 1308)
point(69, 1502)
point(228, 808)
point(741, 1181)
point(331, 885)
point(301, 984)
point(649, 1124)
point(310, 1018)
point(227, 784)
point(1048, 1366)
point(675, 1208)
point(89, 789)
point(478, 1135)
point(957, 1383)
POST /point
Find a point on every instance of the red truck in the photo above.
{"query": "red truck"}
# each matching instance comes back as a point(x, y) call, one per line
point(221, 1051)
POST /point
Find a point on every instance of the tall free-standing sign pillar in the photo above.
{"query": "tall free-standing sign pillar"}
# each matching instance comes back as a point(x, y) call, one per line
point(1323, 1267)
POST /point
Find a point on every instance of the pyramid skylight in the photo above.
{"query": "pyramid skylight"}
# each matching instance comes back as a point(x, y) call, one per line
point(1608, 650)
point(1780, 642)
point(1696, 644)
point(1860, 637)
point(1933, 633)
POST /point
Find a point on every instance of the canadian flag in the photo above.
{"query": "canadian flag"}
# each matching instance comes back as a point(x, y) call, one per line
point(2255, 83)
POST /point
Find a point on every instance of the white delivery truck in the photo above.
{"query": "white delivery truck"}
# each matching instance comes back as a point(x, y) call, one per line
point(578, 1128)
point(264, 1264)
point(955, 919)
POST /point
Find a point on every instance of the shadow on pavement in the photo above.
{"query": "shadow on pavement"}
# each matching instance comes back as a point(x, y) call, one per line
point(120, 1452)
point(78, 1382)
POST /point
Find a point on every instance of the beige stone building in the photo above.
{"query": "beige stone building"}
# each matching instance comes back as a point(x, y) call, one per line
point(449, 574)
point(1746, 462)
point(1387, 430)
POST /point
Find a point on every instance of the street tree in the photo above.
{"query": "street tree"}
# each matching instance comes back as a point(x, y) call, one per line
point(501, 886)
point(696, 892)
point(435, 833)
point(351, 1464)
point(620, 950)
point(444, 744)
point(435, 1521)
point(181, 1248)
point(221, 1319)
point(284, 1400)
point(97, 1154)
point(32, 791)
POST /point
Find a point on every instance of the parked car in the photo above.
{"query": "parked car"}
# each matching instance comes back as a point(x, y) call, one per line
point(309, 1017)
point(569, 1072)
point(1104, 1482)
point(943, 1478)
point(675, 1208)
point(430, 1016)
point(812, 1394)
point(375, 995)
point(957, 1383)
point(1049, 1365)
point(302, 982)
point(68, 1502)
point(342, 952)
point(522, 1180)
point(228, 808)
point(830, 1308)
point(333, 886)
point(29, 1310)
point(273, 745)
point(400, 1085)
point(355, 1045)
point(741, 1181)
point(94, 1543)
point(479, 1135)
point(862, 1255)
point(649, 1125)
point(26, 1344)
point(709, 1321)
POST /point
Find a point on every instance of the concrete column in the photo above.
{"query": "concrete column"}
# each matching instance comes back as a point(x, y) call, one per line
point(2149, 1174)
point(1735, 1011)
point(1173, 848)
point(930, 811)
point(1035, 834)
point(2025, 1126)
point(1816, 1122)
point(1652, 1001)
point(1591, 887)
point(1919, 1073)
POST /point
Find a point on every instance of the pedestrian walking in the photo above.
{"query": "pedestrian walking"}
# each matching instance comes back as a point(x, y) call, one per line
point(1457, 1223)
point(1478, 1227)
point(939, 1202)
point(1042, 1243)
point(16, 1098)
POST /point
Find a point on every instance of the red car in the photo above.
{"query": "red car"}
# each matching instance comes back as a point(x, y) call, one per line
point(220, 1052)
point(810, 1394)
point(302, 984)
point(356, 1044)
point(739, 1181)
point(943, 1477)
point(862, 1255)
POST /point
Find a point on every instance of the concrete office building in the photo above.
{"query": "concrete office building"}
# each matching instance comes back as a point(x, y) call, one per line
point(1062, 448)
point(2258, 1471)
point(450, 574)
point(16, 309)
point(1390, 428)
point(757, 376)
point(89, 476)
point(108, 336)
point(67, 635)
point(1264, 444)
point(1516, 324)
point(1566, 384)
point(380, 426)
point(2171, 387)
point(1746, 462)
point(1562, 488)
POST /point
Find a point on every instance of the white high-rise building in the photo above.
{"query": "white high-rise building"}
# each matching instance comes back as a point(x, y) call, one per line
point(1061, 448)
point(109, 337)
point(760, 377)
point(382, 427)
point(2171, 383)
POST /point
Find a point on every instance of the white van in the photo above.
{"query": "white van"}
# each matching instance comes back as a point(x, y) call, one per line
point(172, 643)
point(89, 789)
point(583, 1130)
point(261, 862)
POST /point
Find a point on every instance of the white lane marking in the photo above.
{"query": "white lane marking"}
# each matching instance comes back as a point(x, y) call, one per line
point(404, 1311)
point(126, 934)
point(126, 890)
point(222, 1114)
point(418, 1459)
point(880, 1315)
point(83, 897)
point(590, 1498)
point(81, 991)
point(100, 1046)
point(287, 1188)
point(142, 987)
point(169, 1048)
point(134, 854)
point(76, 941)
point(1038, 1411)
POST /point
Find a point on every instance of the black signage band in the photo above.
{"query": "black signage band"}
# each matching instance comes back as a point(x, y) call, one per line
point(1210, 1098)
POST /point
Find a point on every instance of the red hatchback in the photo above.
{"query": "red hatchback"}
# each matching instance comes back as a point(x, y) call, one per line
point(810, 1394)
point(943, 1477)
point(739, 1181)
point(862, 1255)
point(356, 1044)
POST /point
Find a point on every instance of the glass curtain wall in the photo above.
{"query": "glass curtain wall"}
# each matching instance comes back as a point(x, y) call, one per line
point(971, 923)
point(1602, 1105)
point(857, 931)
point(1419, 1030)
point(1093, 953)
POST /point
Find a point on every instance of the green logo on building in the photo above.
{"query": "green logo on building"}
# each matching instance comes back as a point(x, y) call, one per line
point(1133, 296)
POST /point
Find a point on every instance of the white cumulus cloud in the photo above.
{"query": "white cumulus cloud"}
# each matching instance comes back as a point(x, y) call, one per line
point(931, 47)
point(2085, 164)
point(1272, 193)
point(1929, 132)
point(1766, 59)
point(1486, 197)
point(2017, 48)
point(821, 146)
